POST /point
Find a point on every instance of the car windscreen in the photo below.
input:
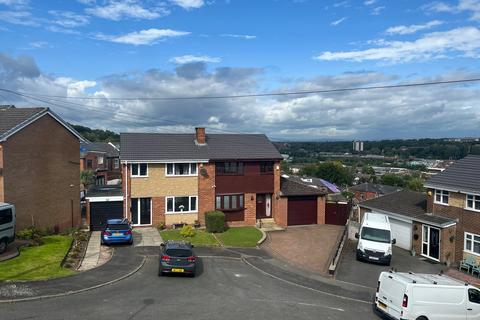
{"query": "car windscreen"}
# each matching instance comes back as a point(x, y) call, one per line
point(118, 226)
point(179, 253)
point(377, 235)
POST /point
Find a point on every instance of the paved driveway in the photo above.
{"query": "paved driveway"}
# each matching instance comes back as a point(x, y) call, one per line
point(308, 247)
point(366, 274)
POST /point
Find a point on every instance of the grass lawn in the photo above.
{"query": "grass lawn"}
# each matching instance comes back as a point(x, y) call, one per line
point(240, 237)
point(38, 263)
point(201, 238)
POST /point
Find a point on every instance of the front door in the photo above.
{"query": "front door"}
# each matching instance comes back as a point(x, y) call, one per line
point(261, 206)
point(141, 211)
point(431, 242)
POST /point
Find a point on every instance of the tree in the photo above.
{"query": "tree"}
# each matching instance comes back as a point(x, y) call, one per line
point(333, 171)
point(391, 179)
point(415, 184)
point(87, 178)
point(366, 169)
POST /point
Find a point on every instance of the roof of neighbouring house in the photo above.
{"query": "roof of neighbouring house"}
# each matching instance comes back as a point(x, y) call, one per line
point(294, 186)
point(107, 148)
point(409, 204)
point(181, 146)
point(104, 191)
point(463, 175)
point(13, 119)
point(374, 187)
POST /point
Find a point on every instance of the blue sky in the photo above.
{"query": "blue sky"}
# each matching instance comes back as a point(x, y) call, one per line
point(171, 48)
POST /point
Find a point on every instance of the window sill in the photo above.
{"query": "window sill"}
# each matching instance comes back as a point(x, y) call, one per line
point(471, 209)
point(471, 252)
point(180, 175)
point(441, 203)
point(138, 176)
point(182, 212)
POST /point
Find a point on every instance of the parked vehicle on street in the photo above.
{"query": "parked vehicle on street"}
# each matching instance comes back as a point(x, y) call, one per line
point(425, 297)
point(375, 239)
point(177, 257)
point(7, 225)
point(117, 231)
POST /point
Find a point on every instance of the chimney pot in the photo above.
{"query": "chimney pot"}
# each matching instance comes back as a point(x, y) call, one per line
point(200, 137)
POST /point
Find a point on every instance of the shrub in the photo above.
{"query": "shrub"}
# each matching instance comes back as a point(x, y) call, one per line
point(160, 225)
point(187, 231)
point(215, 221)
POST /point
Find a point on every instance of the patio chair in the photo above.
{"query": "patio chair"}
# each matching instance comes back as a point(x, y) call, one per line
point(468, 263)
point(476, 269)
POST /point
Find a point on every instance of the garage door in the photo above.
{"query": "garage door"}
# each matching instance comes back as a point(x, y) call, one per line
point(100, 212)
point(402, 231)
point(302, 210)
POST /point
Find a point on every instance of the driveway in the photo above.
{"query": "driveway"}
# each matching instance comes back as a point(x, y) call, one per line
point(366, 274)
point(308, 247)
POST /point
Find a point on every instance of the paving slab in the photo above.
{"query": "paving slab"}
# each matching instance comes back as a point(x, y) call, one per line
point(149, 237)
point(92, 254)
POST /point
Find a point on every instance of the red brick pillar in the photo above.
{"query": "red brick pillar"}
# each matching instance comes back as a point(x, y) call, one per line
point(276, 190)
point(206, 190)
point(321, 204)
point(87, 213)
point(127, 191)
point(250, 215)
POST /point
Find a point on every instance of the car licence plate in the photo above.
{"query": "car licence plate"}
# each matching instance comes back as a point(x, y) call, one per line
point(373, 258)
point(382, 305)
point(117, 234)
point(177, 270)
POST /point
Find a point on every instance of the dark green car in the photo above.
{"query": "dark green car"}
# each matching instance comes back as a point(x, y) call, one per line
point(177, 257)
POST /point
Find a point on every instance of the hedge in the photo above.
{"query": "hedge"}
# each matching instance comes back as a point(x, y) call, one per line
point(215, 221)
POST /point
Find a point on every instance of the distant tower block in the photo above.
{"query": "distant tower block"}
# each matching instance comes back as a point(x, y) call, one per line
point(358, 146)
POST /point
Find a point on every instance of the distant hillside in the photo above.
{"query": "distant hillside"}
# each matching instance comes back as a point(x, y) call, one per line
point(97, 135)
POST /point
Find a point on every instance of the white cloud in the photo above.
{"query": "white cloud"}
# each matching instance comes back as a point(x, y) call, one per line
point(68, 19)
point(143, 37)
point(457, 42)
point(189, 4)
point(241, 36)
point(23, 18)
point(377, 10)
point(15, 3)
point(471, 6)
point(39, 44)
point(127, 9)
point(412, 28)
point(337, 22)
point(369, 2)
point(192, 58)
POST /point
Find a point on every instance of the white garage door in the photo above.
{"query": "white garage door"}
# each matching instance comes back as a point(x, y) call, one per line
point(402, 231)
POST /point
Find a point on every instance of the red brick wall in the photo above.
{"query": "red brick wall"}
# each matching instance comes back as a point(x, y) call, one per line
point(366, 195)
point(2, 196)
point(158, 210)
point(126, 180)
point(250, 209)
point(206, 190)
point(41, 175)
point(321, 204)
point(281, 216)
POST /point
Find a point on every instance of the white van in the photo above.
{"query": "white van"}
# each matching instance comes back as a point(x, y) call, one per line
point(7, 225)
point(425, 297)
point(375, 239)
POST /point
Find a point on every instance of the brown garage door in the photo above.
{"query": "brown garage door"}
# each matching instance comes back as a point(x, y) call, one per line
point(302, 210)
point(337, 213)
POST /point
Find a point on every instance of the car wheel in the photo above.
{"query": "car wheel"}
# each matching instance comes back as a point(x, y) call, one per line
point(3, 246)
point(422, 318)
point(130, 242)
point(388, 262)
point(160, 273)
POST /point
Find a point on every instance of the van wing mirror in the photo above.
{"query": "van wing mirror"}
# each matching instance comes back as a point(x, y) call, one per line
point(357, 235)
point(394, 241)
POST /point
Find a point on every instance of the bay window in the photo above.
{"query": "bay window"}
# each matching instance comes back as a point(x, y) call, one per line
point(226, 202)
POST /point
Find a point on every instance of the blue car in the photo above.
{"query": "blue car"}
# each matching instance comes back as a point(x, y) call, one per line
point(117, 231)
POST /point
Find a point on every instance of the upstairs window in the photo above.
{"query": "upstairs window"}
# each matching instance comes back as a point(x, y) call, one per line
point(441, 196)
point(473, 202)
point(229, 168)
point(139, 170)
point(266, 167)
point(89, 164)
point(181, 169)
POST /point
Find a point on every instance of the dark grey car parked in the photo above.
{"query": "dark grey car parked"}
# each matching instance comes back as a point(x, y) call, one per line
point(177, 257)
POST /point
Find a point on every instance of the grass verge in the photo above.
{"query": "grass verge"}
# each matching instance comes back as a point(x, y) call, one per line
point(38, 263)
point(200, 239)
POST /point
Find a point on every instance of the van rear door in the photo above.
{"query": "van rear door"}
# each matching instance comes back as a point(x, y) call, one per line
point(390, 295)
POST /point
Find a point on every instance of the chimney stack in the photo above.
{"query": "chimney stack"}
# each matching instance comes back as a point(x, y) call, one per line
point(200, 137)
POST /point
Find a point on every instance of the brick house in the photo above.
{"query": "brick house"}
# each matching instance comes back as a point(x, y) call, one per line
point(367, 190)
point(176, 178)
point(455, 194)
point(39, 167)
point(413, 227)
point(103, 158)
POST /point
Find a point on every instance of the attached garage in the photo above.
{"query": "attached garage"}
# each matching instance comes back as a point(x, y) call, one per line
point(103, 203)
point(302, 210)
point(402, 231)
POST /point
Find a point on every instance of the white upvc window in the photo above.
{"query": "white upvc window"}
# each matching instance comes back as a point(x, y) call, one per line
point(472, 243)
point(184, 204)
point(441, 196)
point(100, 160)
point(472, 202)
point(180, 169)
point(116, 163)
point(139, 170)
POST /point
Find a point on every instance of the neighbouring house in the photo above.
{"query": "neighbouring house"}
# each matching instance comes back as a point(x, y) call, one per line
point(39, 167)
point(176, 178)
point(103, 158)
point(412, 227)
point(310, 201)
point(367, 190)
point(455, 194)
